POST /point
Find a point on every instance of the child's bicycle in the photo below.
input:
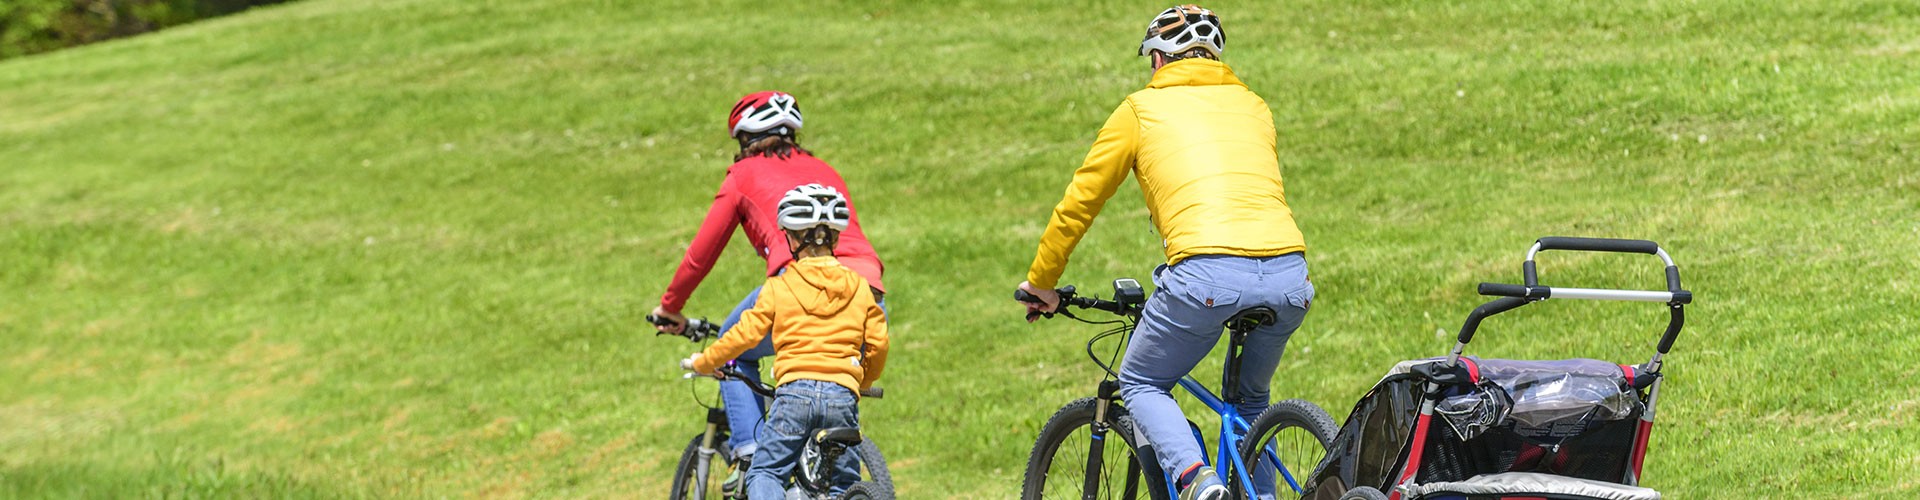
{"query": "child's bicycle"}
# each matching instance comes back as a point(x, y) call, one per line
point(707, 461)
point(1074, 459)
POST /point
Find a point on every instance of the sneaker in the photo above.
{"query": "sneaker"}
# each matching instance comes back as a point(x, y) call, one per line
point(1206, 486)
point(731, 485)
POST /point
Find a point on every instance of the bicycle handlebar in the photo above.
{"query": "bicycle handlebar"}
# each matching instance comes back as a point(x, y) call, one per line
point(1069, 297)
point(696, 329)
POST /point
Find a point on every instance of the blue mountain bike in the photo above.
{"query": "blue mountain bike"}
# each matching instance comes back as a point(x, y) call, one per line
point(1074, 457)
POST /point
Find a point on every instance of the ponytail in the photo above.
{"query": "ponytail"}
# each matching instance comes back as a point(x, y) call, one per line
point(774, 145)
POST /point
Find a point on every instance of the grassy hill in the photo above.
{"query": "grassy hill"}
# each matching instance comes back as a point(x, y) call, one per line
point(402, 248)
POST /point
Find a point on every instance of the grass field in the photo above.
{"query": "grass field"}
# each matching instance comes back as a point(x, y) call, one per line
point(402, 248)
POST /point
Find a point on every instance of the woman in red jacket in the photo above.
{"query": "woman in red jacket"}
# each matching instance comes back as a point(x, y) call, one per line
point(770, 163)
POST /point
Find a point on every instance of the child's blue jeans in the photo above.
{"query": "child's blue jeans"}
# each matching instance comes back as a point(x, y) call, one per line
point(799, 408)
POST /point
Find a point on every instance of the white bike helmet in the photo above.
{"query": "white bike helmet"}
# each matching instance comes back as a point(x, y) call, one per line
point(814, 205)
point(760, 112)
point(1184, 28)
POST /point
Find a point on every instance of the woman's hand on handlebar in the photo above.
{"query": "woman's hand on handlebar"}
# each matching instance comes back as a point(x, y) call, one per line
point(1048, 301)
point(675, 323)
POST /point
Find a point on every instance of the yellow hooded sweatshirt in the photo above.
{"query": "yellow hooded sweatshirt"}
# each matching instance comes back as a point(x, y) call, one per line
point(820, 314)
point(1202, 146)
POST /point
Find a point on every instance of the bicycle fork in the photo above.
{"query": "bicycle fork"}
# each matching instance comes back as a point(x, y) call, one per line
point(701, 468)
point(1096, 453)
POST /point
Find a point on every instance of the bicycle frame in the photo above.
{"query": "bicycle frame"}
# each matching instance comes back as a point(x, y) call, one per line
point(1232, 427)
point(1233, 430)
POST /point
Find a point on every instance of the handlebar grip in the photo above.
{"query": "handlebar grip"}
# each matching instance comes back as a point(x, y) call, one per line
point(1023, 296)
point(658, 320)
point(1521, 291)
point(1598, 245)
point(873, 392)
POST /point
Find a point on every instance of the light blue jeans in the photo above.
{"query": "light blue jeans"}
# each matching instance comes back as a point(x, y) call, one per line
point(1183, 321)
point(744, 408)
point(799, 408)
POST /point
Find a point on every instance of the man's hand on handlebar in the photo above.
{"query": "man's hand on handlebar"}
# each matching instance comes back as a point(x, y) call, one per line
point(675, 323)
point(1049, 301)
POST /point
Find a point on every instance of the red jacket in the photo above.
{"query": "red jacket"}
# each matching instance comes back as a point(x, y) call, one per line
point(747, 199)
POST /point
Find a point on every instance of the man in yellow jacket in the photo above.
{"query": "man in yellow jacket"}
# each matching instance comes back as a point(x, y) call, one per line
point(829, 340)
point(1202, 146)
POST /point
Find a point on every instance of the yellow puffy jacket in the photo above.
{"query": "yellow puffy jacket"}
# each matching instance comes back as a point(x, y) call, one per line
point(1202, 146)
point(820, 314)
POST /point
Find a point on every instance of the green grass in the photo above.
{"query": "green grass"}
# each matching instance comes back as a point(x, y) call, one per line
point(402, 248)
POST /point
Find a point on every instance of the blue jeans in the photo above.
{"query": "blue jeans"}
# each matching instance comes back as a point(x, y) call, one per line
point(1183, 321)
point(799, 408)
point(743, 406)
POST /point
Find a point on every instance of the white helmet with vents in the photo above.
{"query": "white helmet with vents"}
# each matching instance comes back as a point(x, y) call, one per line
point(1184, 28)
point(814, 205)
point(765, 112)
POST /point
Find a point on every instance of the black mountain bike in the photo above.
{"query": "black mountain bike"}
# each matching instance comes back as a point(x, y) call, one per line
point(707, 461)
point(1074, 457)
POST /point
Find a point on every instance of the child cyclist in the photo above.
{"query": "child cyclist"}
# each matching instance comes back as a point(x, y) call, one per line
point(829, 338)
point(770, 162)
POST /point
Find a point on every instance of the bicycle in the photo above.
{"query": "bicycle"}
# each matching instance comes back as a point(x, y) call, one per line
point(707, 461)
point(1291, 435)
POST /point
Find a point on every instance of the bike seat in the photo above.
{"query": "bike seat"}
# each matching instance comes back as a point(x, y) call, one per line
point(849, 436)
point(1253, 317)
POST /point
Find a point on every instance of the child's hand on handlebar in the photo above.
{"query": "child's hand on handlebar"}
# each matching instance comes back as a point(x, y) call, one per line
point(676, 322)
point(687, 364)
point(1049, 301)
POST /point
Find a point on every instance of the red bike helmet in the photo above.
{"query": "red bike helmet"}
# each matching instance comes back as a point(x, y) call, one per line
point(768, 111)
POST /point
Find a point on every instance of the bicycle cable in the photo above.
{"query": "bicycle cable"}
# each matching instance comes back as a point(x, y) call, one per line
point(1118, 347)
point(693, 388)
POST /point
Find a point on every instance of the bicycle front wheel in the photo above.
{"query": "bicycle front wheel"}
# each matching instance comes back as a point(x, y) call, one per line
point(687, 478)
point(1067, 449)
point(1292, 436)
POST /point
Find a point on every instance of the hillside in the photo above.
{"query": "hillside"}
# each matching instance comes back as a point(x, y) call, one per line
point(402, 248)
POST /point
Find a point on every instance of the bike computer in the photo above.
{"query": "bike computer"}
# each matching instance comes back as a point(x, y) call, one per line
point(1127, 292)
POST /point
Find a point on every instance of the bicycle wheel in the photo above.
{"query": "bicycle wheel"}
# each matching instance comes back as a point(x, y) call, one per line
point(873, 465)
point(867, 491)
point(1058, 466)
point(718, 467)
point(1292, 435)
point(1363, 493)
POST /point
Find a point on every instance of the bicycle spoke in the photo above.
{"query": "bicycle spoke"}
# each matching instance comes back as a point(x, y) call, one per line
point(1293, 450)
point(1066, 474)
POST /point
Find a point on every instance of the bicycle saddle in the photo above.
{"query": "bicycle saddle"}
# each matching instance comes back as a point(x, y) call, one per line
point(1250, 318)
point(849, 436)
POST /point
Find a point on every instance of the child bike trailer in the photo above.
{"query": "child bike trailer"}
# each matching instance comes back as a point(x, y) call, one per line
point(1467, 428)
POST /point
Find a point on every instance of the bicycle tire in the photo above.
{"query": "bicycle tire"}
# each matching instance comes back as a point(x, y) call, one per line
point(875, 464)
point(867, 490)
point(1076, 419)
point(683, 472)
point(1280, 418)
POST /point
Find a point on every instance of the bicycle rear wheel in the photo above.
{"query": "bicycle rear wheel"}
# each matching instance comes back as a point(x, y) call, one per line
point(1058, 466)
point(686, 474)
point(1292, 435)
point(867, 491)
point(873, 465)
